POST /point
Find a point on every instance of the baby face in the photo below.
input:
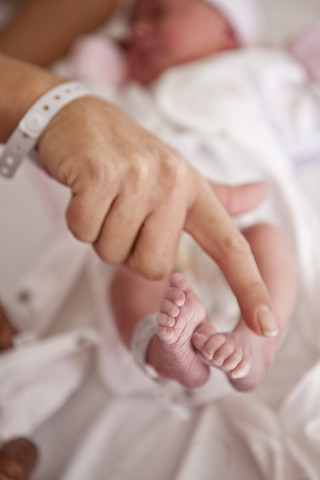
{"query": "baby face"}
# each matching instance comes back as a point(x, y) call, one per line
point(165, 33)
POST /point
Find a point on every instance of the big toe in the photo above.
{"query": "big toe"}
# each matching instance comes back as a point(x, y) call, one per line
point(202, 334)
point(179, 281)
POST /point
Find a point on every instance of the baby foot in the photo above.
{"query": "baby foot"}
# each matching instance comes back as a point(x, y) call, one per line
point(241, 354)
point(171, 352)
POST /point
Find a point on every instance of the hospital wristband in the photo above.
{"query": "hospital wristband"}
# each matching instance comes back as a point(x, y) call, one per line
point(143, 332)
point(26, 135)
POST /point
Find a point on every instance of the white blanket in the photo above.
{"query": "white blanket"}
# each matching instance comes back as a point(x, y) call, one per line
point(240, 117)
point(121, 431)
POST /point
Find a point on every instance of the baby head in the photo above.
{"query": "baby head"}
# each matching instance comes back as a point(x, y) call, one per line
point(165, 33)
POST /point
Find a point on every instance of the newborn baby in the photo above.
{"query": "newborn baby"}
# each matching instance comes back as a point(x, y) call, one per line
point(178, 342)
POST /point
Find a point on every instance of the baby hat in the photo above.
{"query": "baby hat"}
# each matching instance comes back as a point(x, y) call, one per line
point(243, 16)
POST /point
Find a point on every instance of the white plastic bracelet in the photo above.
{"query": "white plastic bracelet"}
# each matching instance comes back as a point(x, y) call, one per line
point(142, 335)
point(30, 127)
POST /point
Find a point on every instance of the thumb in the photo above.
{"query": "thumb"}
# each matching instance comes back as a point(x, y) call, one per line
point(239, 199)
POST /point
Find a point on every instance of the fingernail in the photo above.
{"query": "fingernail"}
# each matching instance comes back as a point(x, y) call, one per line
point(267, 322)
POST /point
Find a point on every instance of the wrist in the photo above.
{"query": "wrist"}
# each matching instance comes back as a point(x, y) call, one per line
point(23, 84)
point(84, 116)
point(26, 135)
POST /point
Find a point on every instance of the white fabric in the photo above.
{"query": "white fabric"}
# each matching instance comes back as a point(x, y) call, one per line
point(253, 115)
point(272, 433)
point(38, 377)
point(143, 333)
point(234, 95)
point(278, 423)
point(45, 367)
point(245, 18)
point(31, 306)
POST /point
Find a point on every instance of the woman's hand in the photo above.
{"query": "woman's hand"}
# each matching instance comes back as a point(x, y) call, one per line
point(132, 196)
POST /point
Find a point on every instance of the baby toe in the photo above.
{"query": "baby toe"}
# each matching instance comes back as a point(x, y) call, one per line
point(175, 295)
point(241, 370)
point(214, 343)
point(169, 308)
point(232, 362)
point(202, 334)
point(165, 320)
point(179, 281)
point(165, 333)
point(224, 352)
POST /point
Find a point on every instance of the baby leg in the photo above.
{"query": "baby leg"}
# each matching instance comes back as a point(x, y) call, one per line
point(132, 299)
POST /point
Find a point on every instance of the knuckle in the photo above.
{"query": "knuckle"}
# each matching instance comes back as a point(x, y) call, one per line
point(163, 167)
point(75, 227)
point(178, 168)
point(108, 254)
point(78, 226)
point(88, 170)
point(139, 170)
point(236, 244)
point(97, 171)
point(175, 170)
point(149, 270)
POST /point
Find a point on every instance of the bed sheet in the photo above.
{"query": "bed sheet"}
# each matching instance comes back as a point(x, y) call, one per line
point(285, 18)
point(94, 431)
point(96, 434)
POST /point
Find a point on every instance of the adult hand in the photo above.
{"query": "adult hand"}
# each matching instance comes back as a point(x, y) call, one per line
point(132, 196)
point(210, 225)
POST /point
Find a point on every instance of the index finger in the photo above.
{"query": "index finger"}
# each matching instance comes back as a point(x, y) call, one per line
point(212, 228)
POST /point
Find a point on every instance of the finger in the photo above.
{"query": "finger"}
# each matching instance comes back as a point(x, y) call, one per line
point(212, 228)
point(120, 228)
point(240, 198)
point(87, 210)
point(155, 248)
